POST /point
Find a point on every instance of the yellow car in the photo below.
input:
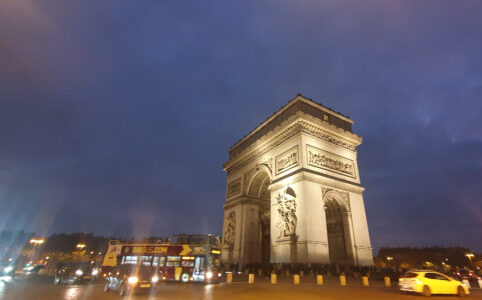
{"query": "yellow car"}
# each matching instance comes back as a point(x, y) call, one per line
point(428, 282)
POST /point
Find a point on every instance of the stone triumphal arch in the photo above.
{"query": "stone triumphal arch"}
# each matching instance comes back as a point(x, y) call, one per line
point(293, 191)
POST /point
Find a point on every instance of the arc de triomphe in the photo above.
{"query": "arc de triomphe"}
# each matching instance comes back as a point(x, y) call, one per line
point(293, 191)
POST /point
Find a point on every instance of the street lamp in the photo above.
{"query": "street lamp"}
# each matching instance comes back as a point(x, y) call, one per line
point(469, 255)
point(35, 242)
point(81, 246)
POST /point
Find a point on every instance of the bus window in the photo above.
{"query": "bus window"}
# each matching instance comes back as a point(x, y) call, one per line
point(173, 261)
point(187, 261)
point(199, 263)
point(129, 259)
point(158, 261)
point(162, 261)
point(146, 260)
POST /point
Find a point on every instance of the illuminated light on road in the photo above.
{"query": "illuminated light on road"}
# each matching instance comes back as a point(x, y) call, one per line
point(95, 272)
point(72, 293)
point(133, 280)
point(209, 275)
point(79, 273)
point(155, 279)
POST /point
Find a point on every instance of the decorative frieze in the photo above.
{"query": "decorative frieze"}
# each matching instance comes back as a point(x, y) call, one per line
point(298, 127)
point(234, 188)
point(287, 160)
point(329, 161)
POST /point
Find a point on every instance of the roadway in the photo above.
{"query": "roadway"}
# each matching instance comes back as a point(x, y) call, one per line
point(42, 288)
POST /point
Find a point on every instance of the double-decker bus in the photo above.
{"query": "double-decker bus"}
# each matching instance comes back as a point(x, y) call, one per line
point(183, 258)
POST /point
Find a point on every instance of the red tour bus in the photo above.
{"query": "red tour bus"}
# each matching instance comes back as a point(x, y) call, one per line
point(184, 258)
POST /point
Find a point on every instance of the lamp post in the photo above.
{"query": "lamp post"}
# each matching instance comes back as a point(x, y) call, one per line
point(469, 255)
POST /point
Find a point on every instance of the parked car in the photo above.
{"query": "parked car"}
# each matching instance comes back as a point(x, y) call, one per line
point(131, 278)
point(75, 272)
point(428, 282)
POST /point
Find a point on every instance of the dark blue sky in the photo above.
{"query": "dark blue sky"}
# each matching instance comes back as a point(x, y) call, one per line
point(116, 116)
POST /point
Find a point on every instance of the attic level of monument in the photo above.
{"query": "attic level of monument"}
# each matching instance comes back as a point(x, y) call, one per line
point(297, 104)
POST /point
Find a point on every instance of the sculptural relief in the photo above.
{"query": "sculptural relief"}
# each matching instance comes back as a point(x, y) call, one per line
point(234, 188)
point(287, 160)
point(230, 230)
point(326, 160)
point(287, 217)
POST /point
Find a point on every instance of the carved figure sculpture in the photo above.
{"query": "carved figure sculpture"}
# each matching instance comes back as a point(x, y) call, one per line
point(288, 220)
point(230, 230)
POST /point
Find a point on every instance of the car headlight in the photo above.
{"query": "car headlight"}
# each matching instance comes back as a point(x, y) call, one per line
point(95, 272)
point(155, 279)
point(79, 273)
point(209, 275)
point(133, 280)
point(7, 269)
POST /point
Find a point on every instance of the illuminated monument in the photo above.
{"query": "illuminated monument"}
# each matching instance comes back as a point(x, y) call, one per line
point(293, 191)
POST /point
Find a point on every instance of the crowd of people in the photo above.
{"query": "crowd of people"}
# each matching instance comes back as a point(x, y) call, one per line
point(313, 269)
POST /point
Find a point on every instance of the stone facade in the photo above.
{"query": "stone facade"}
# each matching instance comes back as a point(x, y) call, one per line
point(293, 191)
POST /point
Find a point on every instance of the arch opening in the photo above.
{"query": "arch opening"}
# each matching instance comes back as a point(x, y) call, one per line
point(338, 231)
point(259, 189)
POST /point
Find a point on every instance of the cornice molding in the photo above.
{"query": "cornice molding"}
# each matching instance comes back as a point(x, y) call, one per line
point(298, 126)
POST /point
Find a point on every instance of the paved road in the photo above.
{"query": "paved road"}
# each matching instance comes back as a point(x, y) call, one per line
point(39, 289)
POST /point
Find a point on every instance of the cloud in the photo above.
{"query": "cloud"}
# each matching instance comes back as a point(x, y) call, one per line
point(116, 107)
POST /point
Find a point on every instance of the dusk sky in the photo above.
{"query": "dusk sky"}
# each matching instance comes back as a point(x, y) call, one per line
point(116, 116)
